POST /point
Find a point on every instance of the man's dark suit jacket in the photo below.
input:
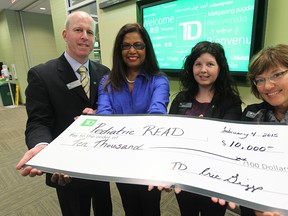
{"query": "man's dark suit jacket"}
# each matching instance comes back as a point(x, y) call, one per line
point(51, 106)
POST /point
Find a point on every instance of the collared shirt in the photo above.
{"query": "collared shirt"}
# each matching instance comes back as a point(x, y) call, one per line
point(149, 95)
point(75, 65)
point(271, 117)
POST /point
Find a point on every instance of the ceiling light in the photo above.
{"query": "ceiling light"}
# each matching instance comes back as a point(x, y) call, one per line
point(42, 8)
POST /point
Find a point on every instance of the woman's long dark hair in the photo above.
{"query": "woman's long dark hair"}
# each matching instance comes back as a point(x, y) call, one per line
point(223, 85)
point(119, 68)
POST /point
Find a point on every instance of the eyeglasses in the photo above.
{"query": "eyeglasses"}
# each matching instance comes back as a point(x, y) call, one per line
point(137, 46)
point(259, 82)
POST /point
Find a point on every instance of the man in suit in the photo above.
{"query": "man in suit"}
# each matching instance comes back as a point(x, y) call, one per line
point(54, 97)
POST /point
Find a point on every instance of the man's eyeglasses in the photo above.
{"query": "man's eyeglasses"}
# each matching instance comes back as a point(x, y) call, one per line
point(137, 46)
point(259, 82)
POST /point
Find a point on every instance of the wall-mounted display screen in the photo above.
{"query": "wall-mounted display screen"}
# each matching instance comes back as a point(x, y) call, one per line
point(176, 26)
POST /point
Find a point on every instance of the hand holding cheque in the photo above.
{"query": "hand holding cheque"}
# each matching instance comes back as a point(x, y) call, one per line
point(28, 170)
point(229, 162)
point(59, 178)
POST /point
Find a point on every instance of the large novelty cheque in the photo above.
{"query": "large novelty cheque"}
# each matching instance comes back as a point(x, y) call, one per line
point(239, 162)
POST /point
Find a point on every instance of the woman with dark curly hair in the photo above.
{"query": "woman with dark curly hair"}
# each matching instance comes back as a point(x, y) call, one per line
point(207, 90)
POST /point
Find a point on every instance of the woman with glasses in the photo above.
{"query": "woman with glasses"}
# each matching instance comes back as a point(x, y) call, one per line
point(135, 86)
point(268, 75)
point(269, 82)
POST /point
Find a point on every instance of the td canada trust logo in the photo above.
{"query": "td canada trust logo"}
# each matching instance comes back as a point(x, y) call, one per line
point(88, 122)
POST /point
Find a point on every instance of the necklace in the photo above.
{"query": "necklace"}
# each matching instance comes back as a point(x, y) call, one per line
point(130, 81)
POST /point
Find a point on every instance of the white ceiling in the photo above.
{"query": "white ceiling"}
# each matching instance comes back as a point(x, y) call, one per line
point(26, 5)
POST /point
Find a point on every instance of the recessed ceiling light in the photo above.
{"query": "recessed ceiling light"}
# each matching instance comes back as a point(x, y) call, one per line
point(42, 8)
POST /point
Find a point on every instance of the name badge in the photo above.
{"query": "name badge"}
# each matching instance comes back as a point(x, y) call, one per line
point(250, 114)
point(73, 84)
point(185, 105)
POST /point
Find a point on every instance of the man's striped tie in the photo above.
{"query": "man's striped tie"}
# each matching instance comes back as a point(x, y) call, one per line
point(84, 80)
